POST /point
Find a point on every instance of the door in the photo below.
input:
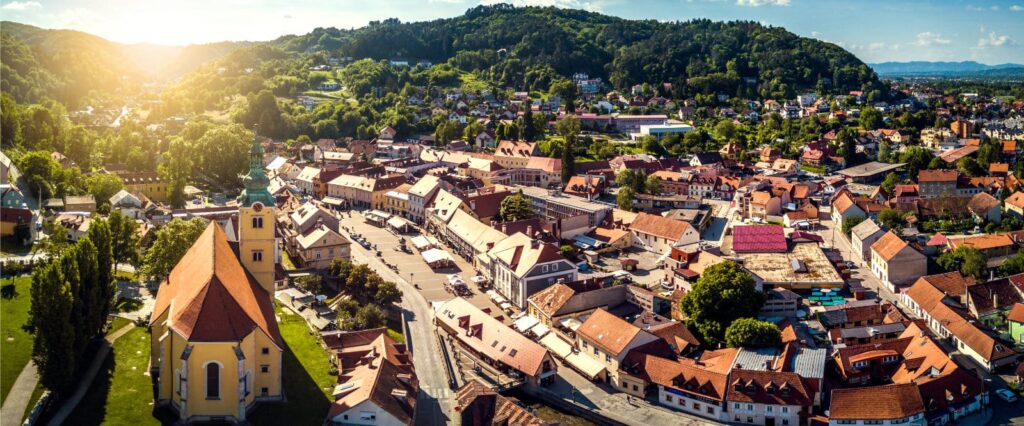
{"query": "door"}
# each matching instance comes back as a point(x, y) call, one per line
point(769, 421)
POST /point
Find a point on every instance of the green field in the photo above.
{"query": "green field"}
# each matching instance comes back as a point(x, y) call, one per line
point(122, 392)
point(308, 382)
point(16, 348)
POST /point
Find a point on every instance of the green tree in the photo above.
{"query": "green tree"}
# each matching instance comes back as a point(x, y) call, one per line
point(41, 173)
point(892, 219)
point(884, 152)
point(369, 316)
point(968, 260)
point(102, 186)
point(516, 207)
point(569, 128)
point(387, 294)
point(124, 233)
point(170, 244)
point(724, 293)
point(312, 283)
point(890, 182)
point(50, 322)
point(725, 130)
point(652, 185)
point(970, 167)
point(850, 223)
point(752, 333)
point(102, 302)
point(917, 158)
point(625, 198)
point(870, 118)
point(1012, 266)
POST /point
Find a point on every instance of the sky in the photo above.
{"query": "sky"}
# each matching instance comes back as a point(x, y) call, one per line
point(987, 31)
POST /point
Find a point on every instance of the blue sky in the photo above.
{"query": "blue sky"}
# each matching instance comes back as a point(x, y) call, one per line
point(988, 31)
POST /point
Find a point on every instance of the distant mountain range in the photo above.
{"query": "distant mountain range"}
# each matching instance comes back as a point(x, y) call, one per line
point(926, 68)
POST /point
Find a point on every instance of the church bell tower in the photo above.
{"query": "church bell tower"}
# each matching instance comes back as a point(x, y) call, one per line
point(257, 247)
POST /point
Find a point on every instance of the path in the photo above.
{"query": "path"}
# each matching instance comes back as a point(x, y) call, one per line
point(85, 382)
point(21, 393)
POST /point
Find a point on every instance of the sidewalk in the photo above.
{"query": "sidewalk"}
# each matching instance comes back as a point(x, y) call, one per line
point(86, 379)
point(18, 398)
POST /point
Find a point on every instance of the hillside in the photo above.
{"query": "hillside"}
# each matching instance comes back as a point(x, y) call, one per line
point(926, 68)
point(517, 47)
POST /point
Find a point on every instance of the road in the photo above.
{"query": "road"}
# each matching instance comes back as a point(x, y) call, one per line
point(434, 403)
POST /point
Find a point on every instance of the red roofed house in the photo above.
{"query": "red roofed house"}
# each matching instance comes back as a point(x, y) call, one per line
point(376, 381)
point(696, 387)
point(892, 404)
point(937, 183)
point(607, 339)
point(759, 239)
point(660, 234)
point(895, 262)
point(767, 398)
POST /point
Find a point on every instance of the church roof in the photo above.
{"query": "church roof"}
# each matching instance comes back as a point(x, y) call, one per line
point(209, 296)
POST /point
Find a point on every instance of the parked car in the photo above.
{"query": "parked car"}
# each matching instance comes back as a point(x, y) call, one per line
point(1006, 395)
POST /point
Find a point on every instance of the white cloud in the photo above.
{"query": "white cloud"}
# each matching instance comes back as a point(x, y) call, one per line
point(564, 4)
point(22, 5)
point(1016, 8)
point(994, 8)
point(929, 38)
point(995, 40)
point(757, 3)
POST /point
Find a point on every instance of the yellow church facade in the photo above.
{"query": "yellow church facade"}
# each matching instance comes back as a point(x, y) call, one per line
point(216, 349)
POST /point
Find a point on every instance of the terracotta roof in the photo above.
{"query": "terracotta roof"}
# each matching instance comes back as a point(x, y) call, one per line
point(843, 202)
point(515, 149)
point(375, 364)
point(930, 299)
point(549, 165)
point(1016, 199)
point(981, 203)
point(951, 283)
point(490, 337)
point(609, 332)
point(688, 376)
point(982, 242)
point(998, 168)
point(889, 245)
point(521, 255)
point(759, 239)
point(659, 226)
point(876, 403)
point(210, 297)
point(768, 387)
point(937, 176)
point(993, 295)
point(1017, 313)
point(475, 398)
point(551, 299)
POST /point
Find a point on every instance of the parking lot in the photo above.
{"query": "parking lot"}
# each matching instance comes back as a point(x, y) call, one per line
point(411, 267)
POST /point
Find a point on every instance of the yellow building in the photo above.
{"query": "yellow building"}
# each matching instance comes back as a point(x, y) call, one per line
point(147, 183)
point(216, 349)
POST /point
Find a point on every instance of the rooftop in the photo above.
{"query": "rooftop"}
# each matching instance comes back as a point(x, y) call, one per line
point(869, 169)
point(777, 268)
point(759, 239)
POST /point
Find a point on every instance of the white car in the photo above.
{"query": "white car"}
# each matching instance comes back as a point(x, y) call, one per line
point(1006, 395)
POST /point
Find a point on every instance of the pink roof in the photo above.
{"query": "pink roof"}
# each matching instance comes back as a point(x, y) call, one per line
point(937, 240)
point(759, 239)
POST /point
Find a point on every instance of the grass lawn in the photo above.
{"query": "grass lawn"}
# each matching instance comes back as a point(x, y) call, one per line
point(308, 382)
point(394, 326)
point(121, 393)
point(118, 323)
point(16, 346)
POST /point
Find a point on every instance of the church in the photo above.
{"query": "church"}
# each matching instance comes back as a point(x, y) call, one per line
point(216, 349)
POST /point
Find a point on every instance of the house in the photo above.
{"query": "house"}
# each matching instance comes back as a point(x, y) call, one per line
point(660, 234)
point(515, 154)
point(129, 204)
point(949, 319)
point(895, 262)
point(387, 133)
point(780, 302)
point(319, 246)
point(759, 239)
point(147, 183)
point(493, 342)
point(11, 218)
point(479, 404)
point(1014, 205)
point(844, 207)
point(420, 195)
point(607, 339)
point(705, 159)
point(1015, 323)
point(937, 183)
point(890, 404)
point(521, 266)
point(305, 180)
point(79, 203)
point(863, 236)
point(377, 382)
point(696, 387)
point(771, 398)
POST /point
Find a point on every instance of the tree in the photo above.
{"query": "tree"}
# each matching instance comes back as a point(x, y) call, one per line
point(50, 322)
point(850, 223)
point(725, 130)
point(569, 128)
point(635, 179)
point(387, 293)
point(870, 118)
point(124, 233)
point(752, 333)
point(102, 186)
point(917, 158)
point(966, 259)
point(171, 242)
point(311, 283)
point(1012, 266)
point(625, 198)
point(41, 173)
point(516, 207)
point(890, 182)
point(892, 219)
point(724, 293)
point(101, 237)
point(884, 152)
point(970, 167)
point(369, 316)
point(653, 185)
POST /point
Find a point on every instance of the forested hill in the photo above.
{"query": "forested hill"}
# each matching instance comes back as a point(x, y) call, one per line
point(68, 65)
point(526, 47)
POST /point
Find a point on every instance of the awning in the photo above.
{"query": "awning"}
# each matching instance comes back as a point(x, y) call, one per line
point(421, 242)
point(436, 255)
point(540, 330)
point(377, 215)
point(398, 222)
point(556, 345)
point(525, 323)
point(585, 365)
point(333, 201)
point(497, 298)
point(571, 323)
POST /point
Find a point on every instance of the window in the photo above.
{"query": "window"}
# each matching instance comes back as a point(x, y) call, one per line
point(750, 407)
point(711, 410)
point(257, 222)
point(212, 380)
point(265, 368)
point(257, 255)
point(607, 358)
point(265, 391)
point(265, 351)
point(736, 405)
point(785, 422)
point(635, 389)
point(750, 419)
point(668, 397)
point(695, 406)
point(785, 410)
point(768, 408)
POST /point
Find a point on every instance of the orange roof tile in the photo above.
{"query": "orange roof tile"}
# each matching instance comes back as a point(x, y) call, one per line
point(889, 245)
point(876, 403)
point(608, 331)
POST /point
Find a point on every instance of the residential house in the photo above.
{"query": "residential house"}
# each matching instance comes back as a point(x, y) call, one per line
point(895, 262)
point(844, 207)
point(875, 405)
point(128, 204)
point(79, 203)
point(480, 404)
point(319, 246)
point(937, 183)
point(305, 180)
point(696, 387)
point(377, 382)
point(863, 236)
point(515, 154)
point(1014, 205)
point(660, 234)
point(607, 339)
point(770, 398)
point(420, 195)
point(522, 266)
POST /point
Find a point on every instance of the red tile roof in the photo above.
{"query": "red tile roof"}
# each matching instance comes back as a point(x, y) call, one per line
point(759, 239)
point(209, 296)
point(876, 402)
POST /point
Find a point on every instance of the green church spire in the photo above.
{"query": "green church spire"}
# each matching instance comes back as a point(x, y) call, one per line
point(256, 182)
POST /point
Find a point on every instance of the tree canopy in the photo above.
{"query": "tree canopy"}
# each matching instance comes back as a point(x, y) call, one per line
point(723, 293)
point(752, 333)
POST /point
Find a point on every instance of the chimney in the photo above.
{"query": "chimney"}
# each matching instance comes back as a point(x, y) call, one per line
point(504, 229)
point(472, 204)
point(529, 231)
